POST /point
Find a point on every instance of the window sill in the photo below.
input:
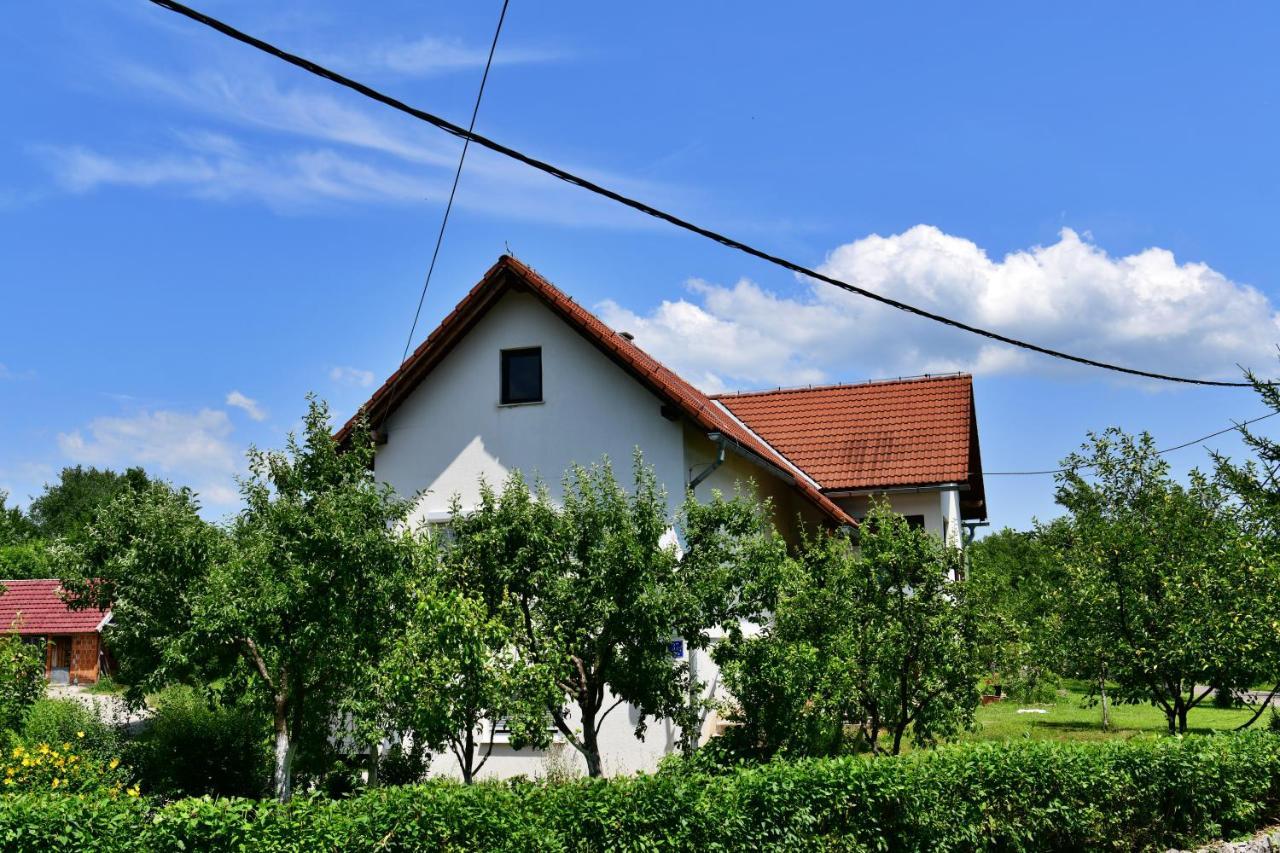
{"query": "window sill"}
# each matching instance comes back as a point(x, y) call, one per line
point(519, 405)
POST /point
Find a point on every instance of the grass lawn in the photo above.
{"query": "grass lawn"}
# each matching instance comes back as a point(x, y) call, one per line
point(1069, 718)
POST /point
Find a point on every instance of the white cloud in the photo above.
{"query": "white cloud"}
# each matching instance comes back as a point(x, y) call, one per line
point(1143, 310)
point(428, 55)
point(190, 448)
point(247, 404)
point(352, 154)
point(351, 376)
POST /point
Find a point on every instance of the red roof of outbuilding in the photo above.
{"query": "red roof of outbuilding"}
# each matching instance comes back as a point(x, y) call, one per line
point(37, 607)
point(837, 438)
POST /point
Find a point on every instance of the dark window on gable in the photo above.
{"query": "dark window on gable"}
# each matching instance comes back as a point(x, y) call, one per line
point(522, 375)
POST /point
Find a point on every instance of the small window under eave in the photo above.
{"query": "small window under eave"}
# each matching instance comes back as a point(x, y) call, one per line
point(521, 376)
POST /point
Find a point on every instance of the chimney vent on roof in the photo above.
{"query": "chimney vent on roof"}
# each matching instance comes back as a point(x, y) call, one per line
point(628, 335)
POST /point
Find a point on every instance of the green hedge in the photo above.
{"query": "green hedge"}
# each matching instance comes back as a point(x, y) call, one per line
point(1141, 794)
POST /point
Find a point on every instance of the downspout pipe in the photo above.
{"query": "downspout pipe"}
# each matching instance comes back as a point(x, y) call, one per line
point(706, 472)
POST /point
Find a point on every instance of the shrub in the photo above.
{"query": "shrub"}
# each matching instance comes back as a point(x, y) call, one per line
point(1022, 796)
point(193, 745)
point(62, 768)
point(21, 679)
point(56, 721)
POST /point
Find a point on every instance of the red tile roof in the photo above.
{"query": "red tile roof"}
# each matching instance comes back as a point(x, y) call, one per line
point(852, 437)
point(902, 454)
point(37, 607)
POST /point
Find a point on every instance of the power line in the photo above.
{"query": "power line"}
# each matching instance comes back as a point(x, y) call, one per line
point(590, 186)
point(1185, 444)
point(466, 142)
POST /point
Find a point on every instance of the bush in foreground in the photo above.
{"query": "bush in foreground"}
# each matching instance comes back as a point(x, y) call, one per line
point(1141, 794)
point(194, 745)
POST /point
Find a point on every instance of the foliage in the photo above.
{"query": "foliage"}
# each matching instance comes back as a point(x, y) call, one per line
point(1015, 581)
point(1134, 795)
point(67, 507)
point(1162, 586)
point(63, 768)
point(1257, 489)
point(57, 721)
point(194, 744)
point(21, 678)
point(23, 552)
point(876, 638)
point(291, 605)
point(455, 674)
point(147, 556)
point(15, 526)
point(591, 595)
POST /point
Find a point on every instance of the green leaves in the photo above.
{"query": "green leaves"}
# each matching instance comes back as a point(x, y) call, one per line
point(1162, 582)
point(873, 640)
point(21, 679)
point(1036, 796)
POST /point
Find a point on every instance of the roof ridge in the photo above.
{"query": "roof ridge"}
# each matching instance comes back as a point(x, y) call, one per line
point(836, 386)
point(665, 383)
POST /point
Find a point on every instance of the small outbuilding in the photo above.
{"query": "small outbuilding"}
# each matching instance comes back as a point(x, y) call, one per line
point(37, 611)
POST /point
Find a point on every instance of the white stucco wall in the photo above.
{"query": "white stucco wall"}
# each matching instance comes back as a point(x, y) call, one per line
point(452, 431)
point(927, 503)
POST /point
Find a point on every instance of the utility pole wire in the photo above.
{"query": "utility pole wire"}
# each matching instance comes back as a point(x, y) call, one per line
point(569, 177)
point(466, 142)
point(1185, 444)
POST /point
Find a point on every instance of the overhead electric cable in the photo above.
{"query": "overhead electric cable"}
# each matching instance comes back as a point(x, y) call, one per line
point(1185, 444)
point(466, 142)
point(576, 180)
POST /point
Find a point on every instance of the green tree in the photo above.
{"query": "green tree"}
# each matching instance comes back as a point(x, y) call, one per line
point(457, 673)
point(23, 552)
point(1255, 486)
point(66, 507)
point(731, 562)
point(1163, 590)
point(294, 602)
point(147, 556)
point(308, 593)
point(21, 679)
point(875, 639)
point(596, 606)
point(1015, 581)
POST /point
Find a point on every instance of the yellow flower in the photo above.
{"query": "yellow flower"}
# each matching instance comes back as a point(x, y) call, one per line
point(113, 764)
point(17, 751)
point(79, 734)
point(55, 782)
point(134, 791)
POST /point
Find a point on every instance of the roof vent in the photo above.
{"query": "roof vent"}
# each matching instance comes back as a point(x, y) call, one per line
point(628, 335)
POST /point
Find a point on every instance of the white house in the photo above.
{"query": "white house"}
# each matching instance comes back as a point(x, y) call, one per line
point(519, 376)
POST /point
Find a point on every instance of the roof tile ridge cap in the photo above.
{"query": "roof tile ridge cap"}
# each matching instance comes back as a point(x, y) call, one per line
point(842, 386)
point(739, 422)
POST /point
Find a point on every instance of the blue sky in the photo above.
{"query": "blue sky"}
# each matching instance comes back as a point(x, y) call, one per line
point(193, 236)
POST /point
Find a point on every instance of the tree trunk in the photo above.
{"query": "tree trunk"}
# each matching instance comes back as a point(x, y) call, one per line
point(591, 745)
point(468, 757)
point(282, 777)
point(1182, 717)
point(1106, 711)
point(373, 765)
point(898, 732)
